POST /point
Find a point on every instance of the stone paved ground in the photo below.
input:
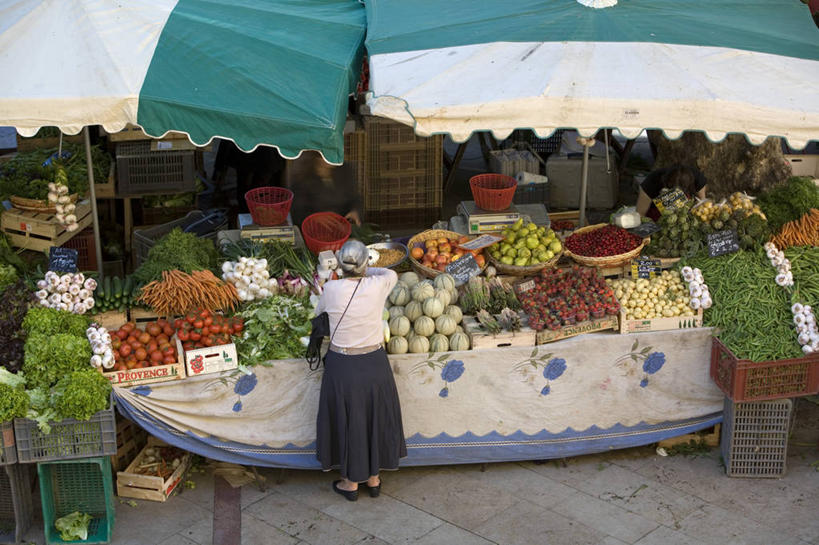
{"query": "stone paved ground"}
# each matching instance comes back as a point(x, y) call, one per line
point(622, 497)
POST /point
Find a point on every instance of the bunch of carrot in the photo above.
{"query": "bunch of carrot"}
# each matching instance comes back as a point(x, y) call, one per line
point(801, 232)
point(179, 292)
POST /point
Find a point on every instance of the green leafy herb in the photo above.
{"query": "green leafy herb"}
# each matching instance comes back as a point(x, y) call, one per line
point(273, 330)
point(50, 356)
point(13, 402)
point(81, 394)
point(177, 250)
point(48, 321)
point(789, 202)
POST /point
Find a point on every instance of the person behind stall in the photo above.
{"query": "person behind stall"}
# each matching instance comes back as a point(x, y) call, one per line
point(690, 180)
point(261, 167)
point(359, 430)
point(321, 187)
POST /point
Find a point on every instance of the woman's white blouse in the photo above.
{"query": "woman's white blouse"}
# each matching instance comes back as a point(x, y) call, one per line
point(362, 325)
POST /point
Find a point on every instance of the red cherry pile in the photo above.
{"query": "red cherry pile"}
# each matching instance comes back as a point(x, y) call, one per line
point(606, 241)
point(565, 297)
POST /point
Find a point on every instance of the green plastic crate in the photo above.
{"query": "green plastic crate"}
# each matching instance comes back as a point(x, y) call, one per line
point(15, 503)
point(78, 485)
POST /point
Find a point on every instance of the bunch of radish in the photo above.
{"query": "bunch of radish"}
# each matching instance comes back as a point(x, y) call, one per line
point(71, 291)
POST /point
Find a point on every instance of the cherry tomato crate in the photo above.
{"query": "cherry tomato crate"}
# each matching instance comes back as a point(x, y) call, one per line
point(69, 438)
point(744, 380)
point(15, 503)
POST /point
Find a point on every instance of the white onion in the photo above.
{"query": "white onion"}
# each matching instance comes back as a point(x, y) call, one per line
point(90, 284)
point(41, 294)
point(89, 303)
point(227, 267)
point(63, 306)
point(74, 289)
point(83, 294)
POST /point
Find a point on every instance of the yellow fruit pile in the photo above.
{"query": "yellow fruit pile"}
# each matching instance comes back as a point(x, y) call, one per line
point(738, 201)
point(526, 244)
point(663, 296)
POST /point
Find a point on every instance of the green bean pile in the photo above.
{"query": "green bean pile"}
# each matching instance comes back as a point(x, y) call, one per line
point(805, 268)
point(752, 313)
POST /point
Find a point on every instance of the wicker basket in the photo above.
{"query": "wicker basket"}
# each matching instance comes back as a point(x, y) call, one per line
point(608, 261)
point(423, 237)
point(529, 270)
point(37, 205)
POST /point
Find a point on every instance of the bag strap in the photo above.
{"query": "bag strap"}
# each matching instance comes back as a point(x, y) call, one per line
point(333, 336)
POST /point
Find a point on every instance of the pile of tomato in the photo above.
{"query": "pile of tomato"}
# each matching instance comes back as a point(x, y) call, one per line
point(137, 349)
point(202, 328)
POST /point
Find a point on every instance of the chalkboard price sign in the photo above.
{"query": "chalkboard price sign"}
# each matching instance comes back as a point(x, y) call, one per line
point(463, 269)
point(645, 268)
point(723, 242)
point(62, 260)
point(670, 200)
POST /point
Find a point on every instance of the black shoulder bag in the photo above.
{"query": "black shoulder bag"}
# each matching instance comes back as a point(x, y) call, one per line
point(320, 329)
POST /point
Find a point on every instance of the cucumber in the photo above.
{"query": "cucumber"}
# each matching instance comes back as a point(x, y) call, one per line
point(117, 288)
point(99, 293)
point(128, 288)
point(107, 293)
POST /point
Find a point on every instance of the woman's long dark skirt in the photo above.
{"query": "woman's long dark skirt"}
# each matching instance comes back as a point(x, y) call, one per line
point(359, 430)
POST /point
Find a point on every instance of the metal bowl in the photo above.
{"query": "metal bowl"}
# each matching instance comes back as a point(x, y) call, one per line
point(391, 246)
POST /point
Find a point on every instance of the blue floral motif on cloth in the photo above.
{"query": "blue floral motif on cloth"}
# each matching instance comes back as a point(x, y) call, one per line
point(654, 362)
point(237, 407)
point(444, 392)
point(644, 383)
point(554, 368)
point(551, 367)
point(143, 390)
point(545, 391)
point(245, 384)
point(452, 371)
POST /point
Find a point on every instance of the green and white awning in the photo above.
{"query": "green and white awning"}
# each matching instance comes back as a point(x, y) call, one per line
point(275, 72)
point(722, 66)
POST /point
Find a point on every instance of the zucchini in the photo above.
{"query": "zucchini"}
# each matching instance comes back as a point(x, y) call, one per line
point(107, 283)
point(99, 293)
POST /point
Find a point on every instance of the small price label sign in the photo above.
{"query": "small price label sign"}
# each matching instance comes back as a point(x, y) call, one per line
point(62, 260)
point(463, 269)
point(723, 242)
point(670, 200)
point(481, 242)
point(645, 268)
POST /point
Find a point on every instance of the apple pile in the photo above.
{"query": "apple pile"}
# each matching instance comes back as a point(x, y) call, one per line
point(437, 253)
point(202, 328)
point(565, 297)
point(136, 349)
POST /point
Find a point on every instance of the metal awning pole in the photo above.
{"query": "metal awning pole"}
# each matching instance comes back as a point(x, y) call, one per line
point(93, 196)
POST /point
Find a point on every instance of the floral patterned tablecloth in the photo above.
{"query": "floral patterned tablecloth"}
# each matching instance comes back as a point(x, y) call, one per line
point(585, 394)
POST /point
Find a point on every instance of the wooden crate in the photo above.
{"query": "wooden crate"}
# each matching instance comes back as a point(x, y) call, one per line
point(146, 375)
point(709, 437)
point(480, 338)
point(107, 189)
point(141, 316)
point(659, 324)
point(211, 359)
point(110, 320)
point(131, 439)
point(131, 484)
point(38, 232)
point(593, 325)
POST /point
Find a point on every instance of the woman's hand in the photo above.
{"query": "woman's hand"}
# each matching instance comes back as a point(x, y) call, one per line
point(353, 217)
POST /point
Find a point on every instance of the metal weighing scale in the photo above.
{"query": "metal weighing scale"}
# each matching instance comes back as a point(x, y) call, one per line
point(478, 221)
point(285, 232)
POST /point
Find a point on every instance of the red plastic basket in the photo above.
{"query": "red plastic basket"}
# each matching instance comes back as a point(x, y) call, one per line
point(493, 191)
point(269, 205)
point(744, 380)
point(325, 231)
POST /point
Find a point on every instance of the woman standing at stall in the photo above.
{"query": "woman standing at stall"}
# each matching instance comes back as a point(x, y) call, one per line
point(359, 429)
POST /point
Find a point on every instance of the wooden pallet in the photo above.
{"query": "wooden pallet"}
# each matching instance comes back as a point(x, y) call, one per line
point(709, 437)
point(130, 440)
point(594, 325)
point(108, 188)
point(480, 338)
point(131, 484)
point(38, 232)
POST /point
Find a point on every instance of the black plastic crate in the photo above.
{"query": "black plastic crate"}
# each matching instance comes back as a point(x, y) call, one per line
point(69, 438)
point(532, 194)
point(141, 171)
point(754, 440)
point(550, 144)
point(8, 452)
point(15, 503)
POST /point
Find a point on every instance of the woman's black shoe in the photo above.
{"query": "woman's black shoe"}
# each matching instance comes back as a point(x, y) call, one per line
point(351, 495)
point(375, 491)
